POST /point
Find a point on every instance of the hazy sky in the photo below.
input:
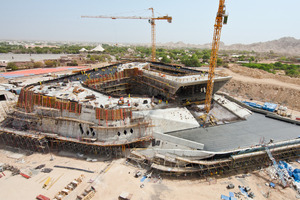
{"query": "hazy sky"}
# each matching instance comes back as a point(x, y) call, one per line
point(249, 20)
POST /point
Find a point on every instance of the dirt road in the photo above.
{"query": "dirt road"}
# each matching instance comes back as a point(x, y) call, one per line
point(262, 86)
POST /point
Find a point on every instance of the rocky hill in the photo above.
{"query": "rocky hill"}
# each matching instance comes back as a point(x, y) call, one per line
point(285, 45)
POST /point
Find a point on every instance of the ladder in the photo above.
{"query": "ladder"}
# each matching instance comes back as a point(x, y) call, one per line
point(279, 172)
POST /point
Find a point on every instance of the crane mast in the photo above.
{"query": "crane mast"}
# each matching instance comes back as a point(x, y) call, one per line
point(151, 21)
point(214, 53)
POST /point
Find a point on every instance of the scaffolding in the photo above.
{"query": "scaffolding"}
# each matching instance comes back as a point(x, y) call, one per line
point(36, 143)
point(172, 165)
point(43, 143)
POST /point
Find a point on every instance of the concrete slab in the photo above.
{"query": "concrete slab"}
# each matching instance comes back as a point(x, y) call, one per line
point(241, 134)
point(178, 141)
point(236, 109)
point(171, 119)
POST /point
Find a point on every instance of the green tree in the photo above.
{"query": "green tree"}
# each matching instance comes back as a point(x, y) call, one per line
point(242, 58)
point(290, 70)
point(50, 63)
point(12, 66)
point(37, 65)
point(278, 65)
point(165, 59)
point(74, 63)
point(92, 58)
point(251, 59)
point(205, 57)
point(191, 61)
point(283, 58)
point(219, 61)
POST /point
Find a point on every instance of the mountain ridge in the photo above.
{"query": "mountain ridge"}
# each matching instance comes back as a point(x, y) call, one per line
point(284, 45)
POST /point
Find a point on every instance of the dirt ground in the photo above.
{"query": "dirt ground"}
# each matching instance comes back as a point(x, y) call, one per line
point(111, 178)
point(262, 86)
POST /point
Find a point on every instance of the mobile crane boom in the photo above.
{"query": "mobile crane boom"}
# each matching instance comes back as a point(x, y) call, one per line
point(221, 18)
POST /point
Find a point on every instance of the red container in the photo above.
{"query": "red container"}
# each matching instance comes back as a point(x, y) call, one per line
point(25, 175)
point(42, 197)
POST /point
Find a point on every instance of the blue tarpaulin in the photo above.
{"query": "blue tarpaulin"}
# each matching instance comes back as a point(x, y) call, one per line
point(231, 196)
point(143, 178)
point(296, 175)
point(269, 106)
point(224, 197)
point(246, 102)
point(288, 167)
point(243, 191)
point(254, 105)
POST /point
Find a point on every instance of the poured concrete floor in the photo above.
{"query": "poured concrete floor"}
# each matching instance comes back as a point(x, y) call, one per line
point(241, 134)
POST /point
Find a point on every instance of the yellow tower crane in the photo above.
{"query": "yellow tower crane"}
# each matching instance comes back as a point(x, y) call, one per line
point(151, 20)
point(221, 18)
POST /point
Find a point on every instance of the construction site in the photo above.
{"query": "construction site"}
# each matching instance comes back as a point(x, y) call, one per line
point(157, 122)
point(152, 114)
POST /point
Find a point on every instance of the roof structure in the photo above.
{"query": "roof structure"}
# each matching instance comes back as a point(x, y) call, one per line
point(98, 48)
point(83, 50)
point(241, 134)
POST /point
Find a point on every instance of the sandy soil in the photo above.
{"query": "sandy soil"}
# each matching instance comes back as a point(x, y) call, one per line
point(263, 86)
point(111, 178)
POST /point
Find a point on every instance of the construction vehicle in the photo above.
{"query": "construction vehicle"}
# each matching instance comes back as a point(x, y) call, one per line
point(151, 20)
point(221, 18)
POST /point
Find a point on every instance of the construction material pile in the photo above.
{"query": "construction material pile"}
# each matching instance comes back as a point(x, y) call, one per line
point(292, 174)
point(14, 170)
